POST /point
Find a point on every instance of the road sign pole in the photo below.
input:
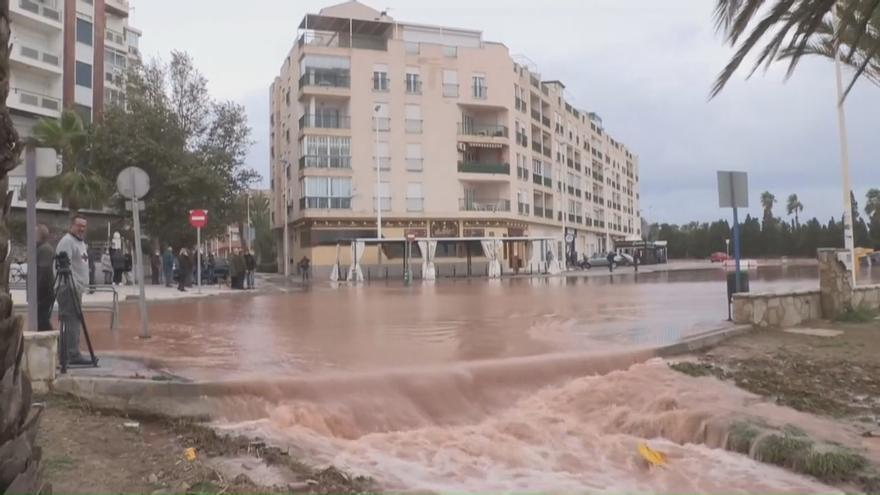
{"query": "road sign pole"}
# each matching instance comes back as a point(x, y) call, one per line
point(736, 251)
point(145, 327)
point(31, 218)
point(199, 257)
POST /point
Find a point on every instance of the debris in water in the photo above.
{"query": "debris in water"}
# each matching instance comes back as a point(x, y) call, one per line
point(654, 457)
point(190, 454)
point(131, 425)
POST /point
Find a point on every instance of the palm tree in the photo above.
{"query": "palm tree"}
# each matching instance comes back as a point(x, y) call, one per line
point(19, 459)
point(767, 202)
point(872, 205)
point(77, 186)
point(794, 207)
point(790, 29)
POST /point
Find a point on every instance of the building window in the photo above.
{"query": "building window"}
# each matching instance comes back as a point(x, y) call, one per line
point(415, 200)
point(325, 193)
point(413, 119)
point(84, 31)
point(414, 157)
point(380, 77)
point(450, 51)
point(326, 152)
point(450, 83)
point(479, 87)
point(382, 196)
point(84, 112)
point(413, 82)
point(83, 74)
point(381, 121)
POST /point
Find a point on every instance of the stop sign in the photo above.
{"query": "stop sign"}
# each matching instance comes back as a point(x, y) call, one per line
point(198, 218)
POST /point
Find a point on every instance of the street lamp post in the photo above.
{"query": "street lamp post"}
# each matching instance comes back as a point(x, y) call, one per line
point(376, 110)
point(286, 241)
point(844, 149)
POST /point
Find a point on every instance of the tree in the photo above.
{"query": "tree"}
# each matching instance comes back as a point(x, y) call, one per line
point(794, 207)
point(76, 184)
point(860, 228)
point(767, 202)
point(264, 240)
point(19, 458)
point(791, 29)
point(872, 209)
point(192, 146)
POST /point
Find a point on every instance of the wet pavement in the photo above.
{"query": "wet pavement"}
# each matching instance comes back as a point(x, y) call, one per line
point(389, 325)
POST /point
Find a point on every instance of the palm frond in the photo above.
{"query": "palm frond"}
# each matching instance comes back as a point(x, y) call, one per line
point(78, 189)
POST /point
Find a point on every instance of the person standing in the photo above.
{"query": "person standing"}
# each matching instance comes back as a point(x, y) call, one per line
point(155, 267)
point(118, 262)
point(250, 266)
point(70, 295)
point(184, 266)
point(237, 269)
point(636, 259)
point(107, 267)
point(168, 266)
point(126, 271)
point(610, 259)
point(304, 267)
point(45, 279)
point(209, 269)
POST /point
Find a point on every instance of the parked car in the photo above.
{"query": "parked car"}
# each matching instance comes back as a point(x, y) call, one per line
point(718, 257)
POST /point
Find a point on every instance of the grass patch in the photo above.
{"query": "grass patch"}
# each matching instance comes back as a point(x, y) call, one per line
point(741, 437)
point(861, 314)
point(59, 464)
point(835, 465)
point(784, 450)
point(693, 369)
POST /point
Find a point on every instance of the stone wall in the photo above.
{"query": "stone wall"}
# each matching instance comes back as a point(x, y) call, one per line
point(835, 283)
point(40, 358)
point(776, 309)
point(866, 296)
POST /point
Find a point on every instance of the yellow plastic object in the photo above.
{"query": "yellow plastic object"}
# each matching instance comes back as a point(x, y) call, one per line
point(190, 454)
point(654, 457)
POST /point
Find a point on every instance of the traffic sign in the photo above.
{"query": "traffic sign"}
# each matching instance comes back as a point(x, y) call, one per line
point(133, 183)
point(198, 218)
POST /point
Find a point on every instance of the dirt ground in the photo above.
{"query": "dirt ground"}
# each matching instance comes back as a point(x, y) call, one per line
point(837, 376)
point(92, 451)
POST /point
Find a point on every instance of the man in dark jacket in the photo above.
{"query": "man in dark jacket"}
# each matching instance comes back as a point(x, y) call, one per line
point(184, 266)
point(168, 266)
point(45, 279)
point(250, 266)
point(237, 269)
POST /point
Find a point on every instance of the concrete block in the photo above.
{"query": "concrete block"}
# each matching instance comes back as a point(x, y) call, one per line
point(40, 358)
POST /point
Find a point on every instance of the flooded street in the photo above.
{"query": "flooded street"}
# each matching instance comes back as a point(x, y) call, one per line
point(510, 385)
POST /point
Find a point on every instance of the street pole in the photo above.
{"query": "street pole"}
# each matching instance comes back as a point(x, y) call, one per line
point(848, 243)
point(736, 251)
point(199, 258)
point(145, 329)
point(31, 186)
point(248, 232)
point(378, 183)
point(286, 243)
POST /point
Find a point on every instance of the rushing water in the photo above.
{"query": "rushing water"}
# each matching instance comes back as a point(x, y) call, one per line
point(511, 385)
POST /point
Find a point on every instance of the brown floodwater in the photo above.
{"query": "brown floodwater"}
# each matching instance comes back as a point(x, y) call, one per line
point(539, 385)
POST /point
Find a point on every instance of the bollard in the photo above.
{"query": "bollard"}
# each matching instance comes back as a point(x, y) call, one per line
point(453, 271)
point(369, 273)
point(386, 273)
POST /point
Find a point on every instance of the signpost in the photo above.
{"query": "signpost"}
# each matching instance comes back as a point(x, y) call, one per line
point(198, 219)
point(133, 184)
point(733, 192)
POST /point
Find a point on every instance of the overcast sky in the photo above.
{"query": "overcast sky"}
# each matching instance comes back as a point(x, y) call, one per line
point(645, 66)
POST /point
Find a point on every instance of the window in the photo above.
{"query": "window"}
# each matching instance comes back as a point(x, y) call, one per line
point(450, 83)
point(326, 152)
point(380, 117)
point(414, 157)
point(380, 77)
point(84, 112)
point(413, 119)
point(413, 82)
point(382, 195)
point(415, 201)
point(84, 31)
point(479, 86)
point(384, 157)
point(450, 51)
point(83, 74)
point(115, 58)
point(325, 192)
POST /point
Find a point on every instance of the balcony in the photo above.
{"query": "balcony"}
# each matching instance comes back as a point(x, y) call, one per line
point(325, 161)
point(333, 39)
point(548, 213)
point(489, 205)
point(522, 140)
point(470, 129)
point(319, 121)
point(536, 146)
point(536, 179)
point(34, 102)
point(548, 182)
point(37, 13)
point(484, 168)
point(524, 208)
point(115, 37)
point(323, 78)
point(324, 203)
point(36, 58)
point(545, 121)
point(118, 7)
point(415, 204)
point(383, 161)
point(413, 126)
point(450, 90)
point(536, 115)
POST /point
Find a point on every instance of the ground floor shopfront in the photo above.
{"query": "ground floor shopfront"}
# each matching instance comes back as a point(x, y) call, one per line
point(521, 246)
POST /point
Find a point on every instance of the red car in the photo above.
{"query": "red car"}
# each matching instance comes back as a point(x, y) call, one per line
point(718, 257)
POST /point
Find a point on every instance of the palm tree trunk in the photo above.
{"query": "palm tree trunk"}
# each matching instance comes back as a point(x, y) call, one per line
point(19, 459)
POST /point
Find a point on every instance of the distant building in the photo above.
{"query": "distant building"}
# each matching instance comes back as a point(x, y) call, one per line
point(469, 141)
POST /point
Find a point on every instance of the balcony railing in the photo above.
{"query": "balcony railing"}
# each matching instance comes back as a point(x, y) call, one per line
point(484, 168)
point(319, 121)
point(548, 182)
point(324, 161)
point(539, 211)
point(536, 115)
point(548, 213)
point(480, 92)
point(26, 97)
point(47, 10)
point(450, 90)
point(114, 37)
point(381, 124)
point(324, 203)
point(536, 146)
point(415, 204)
point(332, 39)
point(522, 139)
point(545, 121)
point(414, 164)
point(38, 55)
point(380, 83)
point(482, 130)
point(546, 151)
point(325, 78)
point(536, 179)
point(489, 204)
point(413, 126)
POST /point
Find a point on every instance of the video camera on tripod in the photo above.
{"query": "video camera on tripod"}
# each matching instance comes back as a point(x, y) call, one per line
point(70, 311)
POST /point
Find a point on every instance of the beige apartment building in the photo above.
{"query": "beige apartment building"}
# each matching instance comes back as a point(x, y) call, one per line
point(66, 54)
point(469, 144)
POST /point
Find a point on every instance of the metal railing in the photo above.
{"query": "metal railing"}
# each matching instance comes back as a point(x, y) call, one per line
point(26, 97)
point(324, 161)
point(484, 168)
point(325, 78)
point(415, 204)
point(488, 204)
point(38, 55)
point(324, 121)
point(414, 164)
point(548, 213)
point(324, 203)
point(545, 121)
point(114, 36)
point(384, 162)
point(333, 39)
point(46, 10)
point(413, 87)
point(413, 126)
point(482, 130)
point(536, 146)
point(536, 179)
point(450, 90)
point(381, 83)
point(548, 181)
point(536, 115)
point(539, 211)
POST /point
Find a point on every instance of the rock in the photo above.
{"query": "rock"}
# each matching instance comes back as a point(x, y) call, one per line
point(242, 479)
point(152, 478)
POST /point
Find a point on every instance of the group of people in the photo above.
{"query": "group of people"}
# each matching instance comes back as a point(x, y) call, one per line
point(242, 266)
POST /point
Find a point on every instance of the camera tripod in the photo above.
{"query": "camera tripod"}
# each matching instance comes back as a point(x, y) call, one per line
point(64, 284)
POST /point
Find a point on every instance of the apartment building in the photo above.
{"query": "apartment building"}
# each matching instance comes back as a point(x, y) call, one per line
point(66, 54)
point(469, 143)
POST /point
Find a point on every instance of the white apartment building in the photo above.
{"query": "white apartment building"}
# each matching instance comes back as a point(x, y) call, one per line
point(66, 54)
point(469, 144)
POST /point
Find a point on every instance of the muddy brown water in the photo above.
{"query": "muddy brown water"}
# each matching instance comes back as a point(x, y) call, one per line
point(474, 386)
